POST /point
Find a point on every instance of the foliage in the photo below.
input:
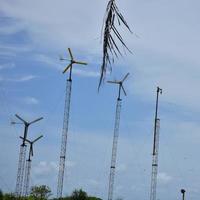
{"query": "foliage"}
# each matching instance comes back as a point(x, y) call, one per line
point(1, 195)
point(9, 196)
point(79, 195)
point(41, 192)
point(110, 47)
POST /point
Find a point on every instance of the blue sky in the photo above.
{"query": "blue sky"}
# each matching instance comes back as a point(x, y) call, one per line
point(165, 47)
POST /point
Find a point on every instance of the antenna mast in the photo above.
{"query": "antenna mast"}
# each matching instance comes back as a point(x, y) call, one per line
point(22, 155)
point(155, 150)
point(65, 123)
point(116, 135)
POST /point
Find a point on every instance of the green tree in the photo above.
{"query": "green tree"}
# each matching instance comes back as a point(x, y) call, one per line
point(9, 196)
point(79, 195)
point(41, 192)
point(1, 195)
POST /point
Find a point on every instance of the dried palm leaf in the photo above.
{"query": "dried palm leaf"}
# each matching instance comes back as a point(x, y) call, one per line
point(110, 47)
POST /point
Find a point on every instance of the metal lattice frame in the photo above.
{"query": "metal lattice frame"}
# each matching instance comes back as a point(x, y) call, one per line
point(26, 190)
point(64, 139)
point(20, 171)
point(155, 163)
point(114, 149)
point(155, 150)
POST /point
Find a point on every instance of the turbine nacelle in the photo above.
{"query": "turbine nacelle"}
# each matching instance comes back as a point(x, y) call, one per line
point(72, 61)
point(26, 125)
point(120, 83)
point(31, 144)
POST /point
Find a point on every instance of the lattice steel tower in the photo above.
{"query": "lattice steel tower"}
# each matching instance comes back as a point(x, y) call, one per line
point(155, 150)
point(116, 135)
point(65, 123)
point(26, 185)
point(22, 155)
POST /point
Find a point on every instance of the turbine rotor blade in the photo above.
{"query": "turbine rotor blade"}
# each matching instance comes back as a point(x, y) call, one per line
point(68, 67)
point(116, 82)
point(125, 77)
point(124, 90)
point(80, 63)
point(36, 120)
point(20, 118)
point(37, 139)
point(70, 53)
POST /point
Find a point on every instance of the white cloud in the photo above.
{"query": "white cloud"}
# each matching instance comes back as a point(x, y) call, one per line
point(121, 168)
point(7, 66)
point(44, 168)
point(31, 100)
point(19, 79)
point(93, 182)
point(11, 28)
point(86, 73)
point(54, 63)
point(164, 177)
point(50, 62)
point(166, 55)
point(13, 49)
point(24, 78)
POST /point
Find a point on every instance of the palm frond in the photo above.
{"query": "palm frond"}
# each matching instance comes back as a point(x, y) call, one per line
point(110, 47)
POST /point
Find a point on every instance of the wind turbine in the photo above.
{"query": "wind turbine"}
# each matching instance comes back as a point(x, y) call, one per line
point(28, 165)
point(22, 154)
point(66, 121)
point(116, 135)
point(72, 61)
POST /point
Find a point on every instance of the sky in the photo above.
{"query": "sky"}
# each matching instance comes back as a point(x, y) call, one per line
point(165, 46)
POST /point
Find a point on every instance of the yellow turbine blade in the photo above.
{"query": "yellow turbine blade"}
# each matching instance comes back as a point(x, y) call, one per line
point(68, 67)
point(70, 53)
point(81, 63)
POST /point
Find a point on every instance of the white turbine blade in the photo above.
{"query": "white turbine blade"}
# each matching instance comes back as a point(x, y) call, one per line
point(125, 77)
point(20, 118)
point(124, 90)
point(37, 139)
point(70, 53)
point(68, 67)
point(80, 63)
point(36, 120)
